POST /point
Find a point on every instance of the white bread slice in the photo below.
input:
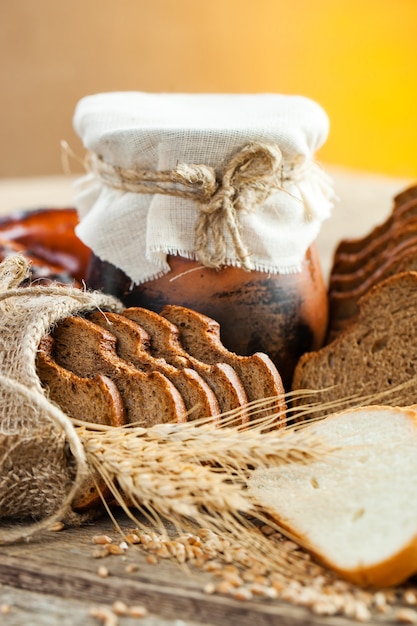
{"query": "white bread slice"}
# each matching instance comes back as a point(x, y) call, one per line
point(356, 511)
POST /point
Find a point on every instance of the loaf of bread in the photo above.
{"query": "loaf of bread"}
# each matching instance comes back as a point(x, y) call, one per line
point(356, 509)
point(374, 354)
point(94, 399)
point(344, 304)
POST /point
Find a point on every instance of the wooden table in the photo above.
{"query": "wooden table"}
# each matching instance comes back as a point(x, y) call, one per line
point(53, 579)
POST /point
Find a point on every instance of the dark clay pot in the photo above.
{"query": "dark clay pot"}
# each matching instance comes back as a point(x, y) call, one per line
point(283, 315)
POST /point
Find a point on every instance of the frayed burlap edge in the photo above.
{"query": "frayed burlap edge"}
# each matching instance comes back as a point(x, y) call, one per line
point(27, 416)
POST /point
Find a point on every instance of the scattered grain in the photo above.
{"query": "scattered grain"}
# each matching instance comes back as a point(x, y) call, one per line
point(101, 553)
point(362, 613)
point(5, 608)
point(243, 577)
point(102, 571)
point(209, 588)
point(101, 540)
point(132, 538)
point(410, 597)
point(105, 615)
point(380, 602)
point(242, 593)
point(56, 527)
point(114, 548)
point(406, 616)
point(138, 611)
point(120, 608)
point(224, 587)
point(151, 559)
point(130, 568)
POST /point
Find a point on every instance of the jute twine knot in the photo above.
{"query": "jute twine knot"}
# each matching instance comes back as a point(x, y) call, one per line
point(242, 184)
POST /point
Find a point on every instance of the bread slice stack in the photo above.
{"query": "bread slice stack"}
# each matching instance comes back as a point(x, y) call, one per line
point(140, 367)
point(356, 509)
point(359, 264)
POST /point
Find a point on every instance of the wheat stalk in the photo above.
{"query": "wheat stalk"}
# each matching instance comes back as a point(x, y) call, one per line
point(196, 472)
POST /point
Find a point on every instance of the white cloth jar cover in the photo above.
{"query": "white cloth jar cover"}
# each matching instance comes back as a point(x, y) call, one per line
point(176, 173)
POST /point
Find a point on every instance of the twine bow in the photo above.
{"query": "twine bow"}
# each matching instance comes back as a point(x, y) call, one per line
point(242, 184)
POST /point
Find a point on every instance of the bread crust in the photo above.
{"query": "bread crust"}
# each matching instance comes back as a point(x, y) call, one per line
point(200, 336)
point(87, 349)
point(370, 570)
point(133, 347)
point(166, 344)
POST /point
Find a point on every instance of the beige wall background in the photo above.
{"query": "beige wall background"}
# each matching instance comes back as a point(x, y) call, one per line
point(357, 58)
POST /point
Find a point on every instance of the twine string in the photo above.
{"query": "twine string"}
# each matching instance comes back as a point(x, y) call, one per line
point(241, 184)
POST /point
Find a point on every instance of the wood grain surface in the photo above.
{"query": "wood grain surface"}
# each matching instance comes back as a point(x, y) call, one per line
point(54, 579)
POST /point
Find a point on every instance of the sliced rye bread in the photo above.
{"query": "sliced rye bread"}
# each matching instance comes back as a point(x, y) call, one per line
point(95, 400)
point(374, 354)
point(397, 244)
point(200, 336)
point(343, 305)
point(87, 349)
point(165, 344)
point(403, 206)
point(399, 237)
point(133, 346)
point(374, 240)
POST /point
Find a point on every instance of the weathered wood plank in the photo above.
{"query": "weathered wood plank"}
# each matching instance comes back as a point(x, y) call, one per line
point(28, 608)
point(61, 566)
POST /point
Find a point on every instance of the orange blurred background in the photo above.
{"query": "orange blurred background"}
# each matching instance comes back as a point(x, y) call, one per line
point(357, 58)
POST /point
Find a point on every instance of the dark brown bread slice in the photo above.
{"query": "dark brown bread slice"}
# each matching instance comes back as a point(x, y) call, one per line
point(200, 336)
point(343, 305)
point(94, 400)
point(375, 241)
point(374, 354)
point(166, 344)
point(400, 230)
point(133, 346)
point(404, 205)
point(87, 349)
point(398, 241)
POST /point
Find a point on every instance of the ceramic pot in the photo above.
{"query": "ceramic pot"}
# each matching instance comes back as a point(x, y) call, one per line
point(283, 315)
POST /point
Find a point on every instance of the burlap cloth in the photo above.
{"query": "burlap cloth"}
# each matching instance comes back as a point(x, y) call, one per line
point(42, 464)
